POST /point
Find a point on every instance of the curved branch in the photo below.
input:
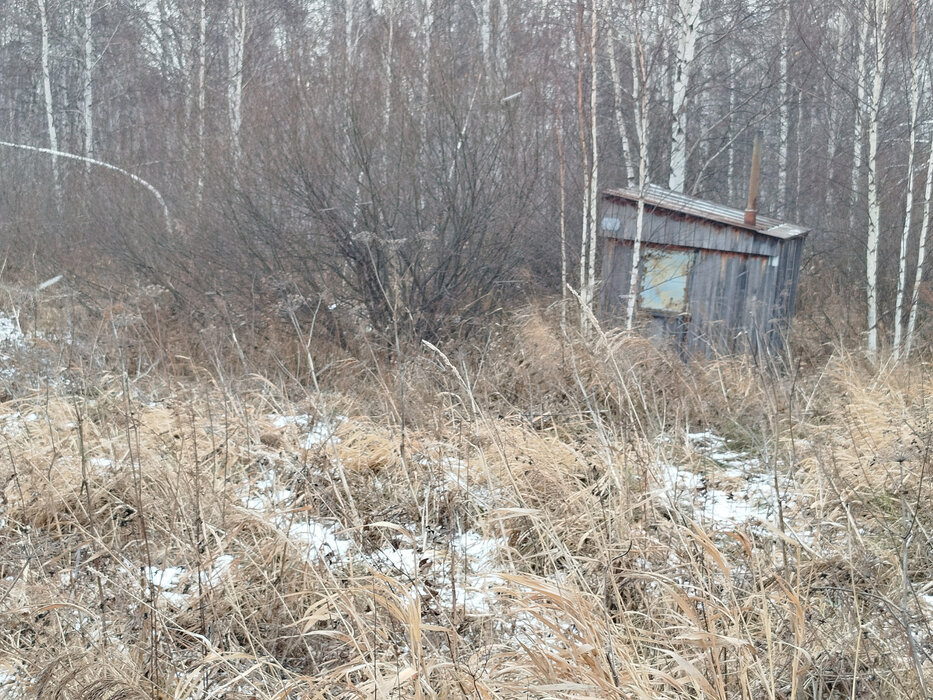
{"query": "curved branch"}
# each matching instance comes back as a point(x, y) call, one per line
point(102, 164)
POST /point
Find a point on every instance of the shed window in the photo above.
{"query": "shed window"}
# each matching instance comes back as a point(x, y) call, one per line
point(664, 280)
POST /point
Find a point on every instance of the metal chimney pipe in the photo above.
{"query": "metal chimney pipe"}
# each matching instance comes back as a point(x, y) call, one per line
point(751, 209)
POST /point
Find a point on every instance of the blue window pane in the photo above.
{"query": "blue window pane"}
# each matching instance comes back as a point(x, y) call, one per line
point(664, 280)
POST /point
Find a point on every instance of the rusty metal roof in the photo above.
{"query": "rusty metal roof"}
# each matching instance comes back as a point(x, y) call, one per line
point(660, 198)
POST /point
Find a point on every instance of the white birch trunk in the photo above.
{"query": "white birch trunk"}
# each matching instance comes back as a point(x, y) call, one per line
point(562, 224)
point(783, 111)
point(857, 148)
point(839, 32)
point(800, 127)
point(620, 114)
point(874, 204)
point(502, 39)
point(202, 87)
point(921, 254)
point(594, 161)
point(485, 34)
point(390, 49)
point(688, 20)
point(909, 204)
point(235, 49)
point(640, 78)
point(88, 107)
point(584, 154)
point(640, 96)
point(427, 29)
point(49, 107)
point(730, 172)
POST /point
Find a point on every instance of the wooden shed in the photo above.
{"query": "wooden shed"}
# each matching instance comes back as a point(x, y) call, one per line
point(711, 279)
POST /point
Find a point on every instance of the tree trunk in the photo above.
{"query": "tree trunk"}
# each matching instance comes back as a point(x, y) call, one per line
point(88, 107)
point(562, 223)
point(49, 108)
point(620, 114)
point(874, 203)
point(235, 49)
point(921, 253)
point(839, 33)
point(688, 20)
point(485, 35)
point(640, 76)
point(858, 145)
point(202, 87)
point(502, 39)
point(584, 154)
point(783, 110)
point(909, 205)
point(594, 142)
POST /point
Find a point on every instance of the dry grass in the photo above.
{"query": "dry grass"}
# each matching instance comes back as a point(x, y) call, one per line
point(490, 522)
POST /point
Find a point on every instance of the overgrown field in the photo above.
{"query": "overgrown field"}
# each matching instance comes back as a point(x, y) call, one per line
point(533, 514)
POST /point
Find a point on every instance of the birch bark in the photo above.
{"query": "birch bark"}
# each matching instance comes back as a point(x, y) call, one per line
point(584, 154)
point(485, 34)
point(562, 224)
point(688, 20)
point(914, 98)
point(640, 76)
point(502, 39)
point(921, 254)
point(235, 50)
point(49, 107)
point(618, 94)
point(858, 145)
point(88, 107)
point(874, 203)
point(202, 87)
point(594, 144)
point(783, 109)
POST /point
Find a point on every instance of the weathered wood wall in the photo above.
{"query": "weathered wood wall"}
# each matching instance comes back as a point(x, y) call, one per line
point(741, 289)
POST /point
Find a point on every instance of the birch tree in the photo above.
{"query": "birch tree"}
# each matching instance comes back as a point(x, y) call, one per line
point(47, 93)
point(861, 80)
point(236, 43)
point(202, 89)
point(783, 107)
point(618, 94)
point(88, 106)
point(594, 170)
point(585, 232)
point(562, 223)
point(921, 253)
point(640, 77)
point(688, 25)
point(914, 102)
point(880, 15)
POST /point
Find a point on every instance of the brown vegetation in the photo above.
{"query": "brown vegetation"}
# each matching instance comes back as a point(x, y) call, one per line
point(538, 515)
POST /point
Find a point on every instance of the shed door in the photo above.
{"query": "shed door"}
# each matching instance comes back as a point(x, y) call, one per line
point(665, 277)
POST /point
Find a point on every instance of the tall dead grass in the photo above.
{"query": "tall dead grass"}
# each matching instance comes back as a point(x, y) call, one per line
point(488, 521)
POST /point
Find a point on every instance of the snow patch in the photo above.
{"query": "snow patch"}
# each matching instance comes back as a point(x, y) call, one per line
point(312, 433)
point(733, 491)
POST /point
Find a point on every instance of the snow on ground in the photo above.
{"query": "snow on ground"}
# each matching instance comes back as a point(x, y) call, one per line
point(425, 565)
point(11, 686)
point(11, 340)
point(179, 586)
point(734, 489)
point(11, 424)
point(10, 333)
point(313, 433)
